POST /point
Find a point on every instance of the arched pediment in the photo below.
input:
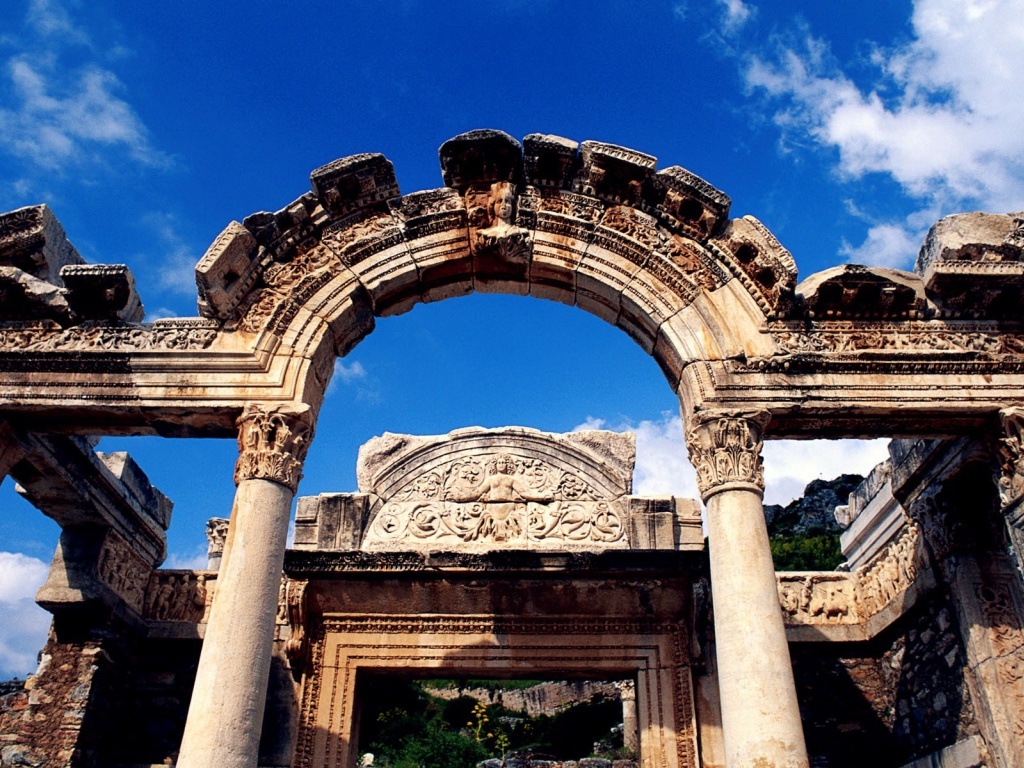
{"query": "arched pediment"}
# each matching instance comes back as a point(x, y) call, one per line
point(593, 225)
point(851, 351)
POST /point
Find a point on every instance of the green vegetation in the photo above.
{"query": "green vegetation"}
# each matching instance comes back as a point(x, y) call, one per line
point(806, 552)
point(404, 727)
point(804, 535)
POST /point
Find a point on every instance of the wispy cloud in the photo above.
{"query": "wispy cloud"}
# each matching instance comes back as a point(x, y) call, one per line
point(23, 630)
point(175, 259)
point(195, 560)
point(940, 117)
point(352, 374)
point(66, 111)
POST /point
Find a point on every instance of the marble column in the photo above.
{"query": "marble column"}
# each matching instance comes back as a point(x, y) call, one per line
point(760, 717)
point(226, 712)
point(630, 724)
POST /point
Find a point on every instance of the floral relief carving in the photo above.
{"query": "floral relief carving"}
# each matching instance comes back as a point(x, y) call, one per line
point(101, 337)
point(272, 443)
point(725, 449)
point(1011, 455)
point(501, 499)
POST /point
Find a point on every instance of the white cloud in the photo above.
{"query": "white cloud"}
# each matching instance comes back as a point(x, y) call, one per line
point(24, 627)
point(942, 116)
point(886, 245)
point(737, 13)
point(194, 561)
point(662, 465)
point(58, 113)
point(353, 374)
point(349, 372)
point(175, 259)
point(789, 465)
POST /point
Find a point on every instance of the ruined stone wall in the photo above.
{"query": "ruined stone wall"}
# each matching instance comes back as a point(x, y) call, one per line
point(900, 697)
point(548, 698)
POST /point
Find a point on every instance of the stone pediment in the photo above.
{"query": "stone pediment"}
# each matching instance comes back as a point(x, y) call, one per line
point(477, 490)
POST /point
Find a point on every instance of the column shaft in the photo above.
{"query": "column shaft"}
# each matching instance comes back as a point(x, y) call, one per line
point(760, 717)
point(226, 713)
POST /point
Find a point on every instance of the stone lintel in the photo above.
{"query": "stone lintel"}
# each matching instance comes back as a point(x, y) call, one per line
point(63, 477)
point(875, 517)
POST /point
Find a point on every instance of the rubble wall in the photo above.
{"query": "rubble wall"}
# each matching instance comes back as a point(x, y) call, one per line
point(900, 697)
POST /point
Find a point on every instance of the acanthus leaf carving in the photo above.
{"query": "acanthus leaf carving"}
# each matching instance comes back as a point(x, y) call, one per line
point(725, 449)
point(272, 442)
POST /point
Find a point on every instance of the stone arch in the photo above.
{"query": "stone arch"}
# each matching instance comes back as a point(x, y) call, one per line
point(592, 225)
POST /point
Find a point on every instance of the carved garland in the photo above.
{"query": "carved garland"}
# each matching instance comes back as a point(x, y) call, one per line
point(272, 443)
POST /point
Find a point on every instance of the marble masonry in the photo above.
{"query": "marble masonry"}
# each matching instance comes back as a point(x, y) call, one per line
point(511, 552)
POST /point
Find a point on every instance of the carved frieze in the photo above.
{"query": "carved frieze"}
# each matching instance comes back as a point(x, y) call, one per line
point(725, 449)
point(829, 598)
point(892, 572)
point(819, 598)
point(1011, 455)
point(122, 569)
point(500, 499)
point(272, 442)
point(181, 596)
point(172, 334)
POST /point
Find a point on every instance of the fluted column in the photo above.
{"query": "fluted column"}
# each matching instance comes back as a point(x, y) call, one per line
point(760, 717)
point(226, 712)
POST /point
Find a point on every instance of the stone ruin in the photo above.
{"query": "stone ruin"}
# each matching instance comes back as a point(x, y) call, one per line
point(511, 552)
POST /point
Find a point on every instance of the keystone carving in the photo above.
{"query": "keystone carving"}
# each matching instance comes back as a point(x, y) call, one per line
point(725, 449)
point(272, 443)
point(501, 238)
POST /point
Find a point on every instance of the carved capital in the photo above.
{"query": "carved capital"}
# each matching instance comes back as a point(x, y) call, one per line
point(725, 449)
point(1011, 455)
point(216, 536)
point(272, 443)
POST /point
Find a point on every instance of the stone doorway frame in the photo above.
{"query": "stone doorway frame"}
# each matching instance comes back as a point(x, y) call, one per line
point(350, 644)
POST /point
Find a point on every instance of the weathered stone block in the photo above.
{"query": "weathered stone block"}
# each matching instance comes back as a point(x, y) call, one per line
point(972, 264)
point(355, 182)
point(549, 161)
point(613, 173)
point(688, 203)
point(853, 291)
point(32, 240)
point(102, 292)
point(228, 271)
point(480, 158)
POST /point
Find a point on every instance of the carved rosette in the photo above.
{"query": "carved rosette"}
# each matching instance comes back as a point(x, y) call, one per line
point(725, 449)
point(272, 443)
point(1011, 456)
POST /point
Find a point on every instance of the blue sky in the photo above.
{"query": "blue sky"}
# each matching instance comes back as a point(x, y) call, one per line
point(846, 128)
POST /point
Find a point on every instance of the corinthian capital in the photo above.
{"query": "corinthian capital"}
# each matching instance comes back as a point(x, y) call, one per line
point(1011, 455)
point(725, 449)
point(272, 443)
